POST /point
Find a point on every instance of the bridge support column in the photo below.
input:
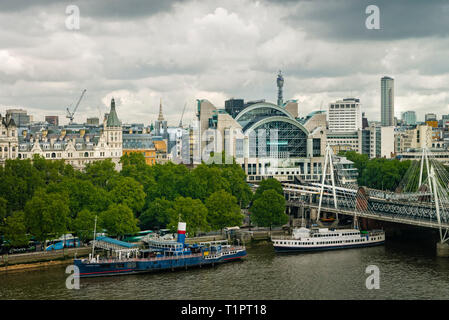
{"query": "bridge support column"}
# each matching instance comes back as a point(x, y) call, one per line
point(442, 249)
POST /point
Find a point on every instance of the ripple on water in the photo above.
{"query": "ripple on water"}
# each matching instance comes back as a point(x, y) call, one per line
point(406, 272)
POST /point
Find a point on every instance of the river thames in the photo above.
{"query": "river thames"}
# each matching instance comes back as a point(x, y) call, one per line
point(408, 270)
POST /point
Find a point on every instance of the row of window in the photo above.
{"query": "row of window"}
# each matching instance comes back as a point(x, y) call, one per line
point(320, 242)
point(69, 155)
point(6, 149)
point(5, 133)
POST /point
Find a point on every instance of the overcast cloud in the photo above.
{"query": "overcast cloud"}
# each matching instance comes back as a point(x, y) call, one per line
point(141, 51)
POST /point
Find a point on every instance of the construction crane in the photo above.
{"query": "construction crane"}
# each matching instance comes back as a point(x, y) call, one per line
point(182, 115)
point(70, 115)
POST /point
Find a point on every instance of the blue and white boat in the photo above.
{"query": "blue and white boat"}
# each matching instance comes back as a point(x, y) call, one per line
point(316, 239)
point(159, 254)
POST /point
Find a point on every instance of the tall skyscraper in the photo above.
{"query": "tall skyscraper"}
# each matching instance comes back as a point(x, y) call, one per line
point(387, 101)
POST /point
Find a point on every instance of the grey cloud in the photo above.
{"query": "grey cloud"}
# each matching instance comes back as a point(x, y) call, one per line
point(345, 20)
point(194, 49)
point(118, 9)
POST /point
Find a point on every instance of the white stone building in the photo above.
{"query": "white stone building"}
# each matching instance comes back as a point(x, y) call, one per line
point(345, 115)
point(76, 149)
point(8, 139)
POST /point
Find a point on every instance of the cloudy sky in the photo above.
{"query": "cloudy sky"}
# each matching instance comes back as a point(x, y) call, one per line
point(141, 51)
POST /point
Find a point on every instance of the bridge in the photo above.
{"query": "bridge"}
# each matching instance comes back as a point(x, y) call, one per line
point(421, 200)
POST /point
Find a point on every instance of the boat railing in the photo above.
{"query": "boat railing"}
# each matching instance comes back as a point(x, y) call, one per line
point(290, 237)
point(109, 260)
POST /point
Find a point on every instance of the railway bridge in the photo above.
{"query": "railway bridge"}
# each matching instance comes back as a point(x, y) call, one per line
point(421, 200)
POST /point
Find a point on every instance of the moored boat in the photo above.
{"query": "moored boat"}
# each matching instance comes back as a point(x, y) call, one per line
point(158, 254)
point(304, 239)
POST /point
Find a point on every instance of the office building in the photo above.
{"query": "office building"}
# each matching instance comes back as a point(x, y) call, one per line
point(52, 120)
point(409, 118)
point(387, 101)
point(345, 115)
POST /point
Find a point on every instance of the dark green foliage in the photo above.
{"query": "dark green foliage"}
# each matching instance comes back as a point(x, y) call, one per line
point(84, 224)
point(118, 220)
point(47, 215)
point(268, 209)
point(269, 184)
point(378, 173)
point(56, 199)
point(128, 191)
point(223, 210)
point(156, 215)
point(191, 211)
point(15, 229)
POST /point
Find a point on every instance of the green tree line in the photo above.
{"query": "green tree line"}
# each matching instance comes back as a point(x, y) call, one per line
point(46, 198)
point(378, 173)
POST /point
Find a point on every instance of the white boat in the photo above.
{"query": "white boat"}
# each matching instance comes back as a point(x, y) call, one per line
point(304, 239)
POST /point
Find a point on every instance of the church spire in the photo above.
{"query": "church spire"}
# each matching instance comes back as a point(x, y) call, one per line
point(161, 116)
point(113, 120)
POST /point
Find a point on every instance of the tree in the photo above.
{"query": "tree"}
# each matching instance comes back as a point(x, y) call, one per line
point(191, 211)
point(268, 210)
point(157, 214)
point(378, 173)
point(169, 181)
point(118, 220)
point(269, 184)
point(18, 183)
point(14, 230)
point(46, 214)
point(236, 178)
point(82, 194)
point(223, 210)
point(3, 210)
point(100, 173)
point(129, 192)
point(134, 166)
point(84, 224)
point(205, 180)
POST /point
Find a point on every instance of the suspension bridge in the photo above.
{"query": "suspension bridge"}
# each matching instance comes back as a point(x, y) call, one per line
point(420, 200)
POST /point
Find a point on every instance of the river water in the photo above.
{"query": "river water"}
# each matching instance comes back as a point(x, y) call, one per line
point(407, 271)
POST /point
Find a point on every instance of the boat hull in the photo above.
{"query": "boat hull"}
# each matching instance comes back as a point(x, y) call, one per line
point(325, 248)
point(114, 268)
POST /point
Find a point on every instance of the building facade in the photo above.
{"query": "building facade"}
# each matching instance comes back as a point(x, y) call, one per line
point(9, 141)
point(409, 118)
point(79, 148)
point(417, 138)
point(345, 115)
point(387, 101)
point(266, 139)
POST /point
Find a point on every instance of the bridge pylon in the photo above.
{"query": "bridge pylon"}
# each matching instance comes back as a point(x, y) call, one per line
point(327, 162)
point(442, 246)
point(424, 159)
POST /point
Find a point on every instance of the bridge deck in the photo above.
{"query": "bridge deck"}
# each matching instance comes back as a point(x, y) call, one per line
point(376, 216)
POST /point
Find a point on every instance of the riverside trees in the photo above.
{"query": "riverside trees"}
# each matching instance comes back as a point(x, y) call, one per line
point(268, 207)
point(378, 173)
point(45, 199)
